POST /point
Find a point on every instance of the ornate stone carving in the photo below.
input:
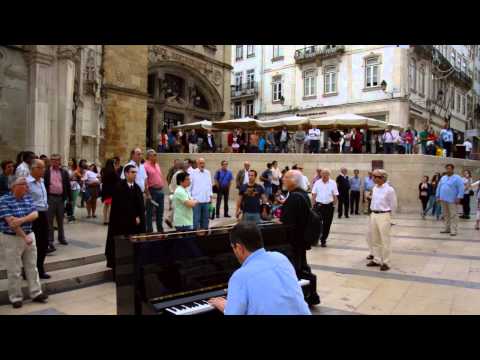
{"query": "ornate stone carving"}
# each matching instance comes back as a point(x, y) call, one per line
point(67, 52)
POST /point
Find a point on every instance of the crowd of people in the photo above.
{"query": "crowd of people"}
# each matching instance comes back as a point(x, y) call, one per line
point(37, 195)
point(310, 140)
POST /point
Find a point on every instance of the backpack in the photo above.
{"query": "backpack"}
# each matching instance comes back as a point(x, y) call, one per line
point(313, 225)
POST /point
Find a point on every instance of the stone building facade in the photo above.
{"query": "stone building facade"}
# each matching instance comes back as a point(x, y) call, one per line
point(97, 101)
point(50, 100)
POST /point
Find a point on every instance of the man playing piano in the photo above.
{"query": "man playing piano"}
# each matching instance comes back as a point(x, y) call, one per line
point(265, 284)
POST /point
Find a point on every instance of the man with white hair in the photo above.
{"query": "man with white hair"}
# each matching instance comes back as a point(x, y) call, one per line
point(201, 191)
point(324, 196)
point(17, 212)
point(384, 202)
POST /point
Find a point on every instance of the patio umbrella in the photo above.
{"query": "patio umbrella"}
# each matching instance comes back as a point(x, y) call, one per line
point(204, 124)
point(291, 122)
point(347, 120)
point(243, 123)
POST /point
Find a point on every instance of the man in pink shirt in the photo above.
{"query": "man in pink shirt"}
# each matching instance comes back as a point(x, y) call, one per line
point(155, 184)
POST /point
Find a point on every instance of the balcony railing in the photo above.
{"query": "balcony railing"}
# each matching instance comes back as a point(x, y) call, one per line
point(462, 79)
point(244, 90)
point(425, 51)
point(315, 52)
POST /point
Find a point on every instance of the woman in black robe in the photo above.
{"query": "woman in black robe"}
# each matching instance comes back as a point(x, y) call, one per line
point(127, 216)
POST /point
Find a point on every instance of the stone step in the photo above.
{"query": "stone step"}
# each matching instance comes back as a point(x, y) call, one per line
point(65, 279)
point(66, 263)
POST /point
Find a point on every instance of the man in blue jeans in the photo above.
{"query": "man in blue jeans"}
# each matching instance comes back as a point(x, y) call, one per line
point(250, 199)
point(223, 178)
point(201, 191)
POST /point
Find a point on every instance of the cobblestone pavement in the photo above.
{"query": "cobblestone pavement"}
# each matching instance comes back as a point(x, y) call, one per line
point(431, 273)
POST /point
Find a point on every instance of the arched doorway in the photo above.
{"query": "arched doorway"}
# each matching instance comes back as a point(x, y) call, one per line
point(178, 94)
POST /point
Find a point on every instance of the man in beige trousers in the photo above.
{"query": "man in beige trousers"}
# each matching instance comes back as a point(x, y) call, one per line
point(17, 212)
point(384, 202)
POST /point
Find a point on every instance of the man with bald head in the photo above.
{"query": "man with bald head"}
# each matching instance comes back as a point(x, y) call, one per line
point(136, 157)
point(201, 190)
point(296, 211)
point(242, 176)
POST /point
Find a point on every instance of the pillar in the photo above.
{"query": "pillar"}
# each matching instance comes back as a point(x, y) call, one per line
point(125, 84)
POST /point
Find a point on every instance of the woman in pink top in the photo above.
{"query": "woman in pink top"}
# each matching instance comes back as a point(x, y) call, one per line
point(408, 140)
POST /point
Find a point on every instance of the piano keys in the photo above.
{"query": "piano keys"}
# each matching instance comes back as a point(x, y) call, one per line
point(176, 273)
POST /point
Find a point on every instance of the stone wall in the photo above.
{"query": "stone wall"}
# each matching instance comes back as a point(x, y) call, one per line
point(405, 171)
point(126, 70)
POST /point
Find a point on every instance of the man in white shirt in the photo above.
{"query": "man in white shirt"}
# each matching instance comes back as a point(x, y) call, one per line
point(242, 175)
point(314, 139)
point(468, 148)
point(23, 170)
point(384, 202)
point(389, 140)
point(276, 175)
point(201, 190)
point(324, 198)
point(141, 178)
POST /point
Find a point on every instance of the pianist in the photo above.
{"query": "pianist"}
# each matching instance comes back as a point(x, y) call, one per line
point(265, 284)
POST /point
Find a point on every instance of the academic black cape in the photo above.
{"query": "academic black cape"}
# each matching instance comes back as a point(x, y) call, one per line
point(127, 204)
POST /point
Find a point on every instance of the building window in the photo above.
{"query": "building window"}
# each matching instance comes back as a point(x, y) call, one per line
point(277, 52)
point(421, 88)
point(371, 72)
point(250, 51)
point(237, 110)
point(457, 103)
point(330, 80)
point(249, 108)
point(412, 75)
point(239, 52)
point(250, 79)
point(464, 105)
point(151, 84)
point(277, 89)
point(453, 57)
point(238, 81)
point(309, 82)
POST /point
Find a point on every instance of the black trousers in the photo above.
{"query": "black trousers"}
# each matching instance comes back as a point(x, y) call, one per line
point(343, 201)
point(326, 214)
point(466, 205)
point(222, 192)
point(424, 200)
point(304, 271)
point(354, 201)
point(40, 229)
point(448, 146)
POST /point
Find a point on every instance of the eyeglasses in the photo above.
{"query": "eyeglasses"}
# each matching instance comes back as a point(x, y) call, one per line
point(378, 176)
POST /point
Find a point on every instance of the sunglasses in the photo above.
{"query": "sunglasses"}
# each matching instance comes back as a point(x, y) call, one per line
point(377, 176)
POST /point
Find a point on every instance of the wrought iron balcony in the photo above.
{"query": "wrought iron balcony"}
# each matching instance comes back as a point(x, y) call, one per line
point(425, 51)
point(244, 90)
point(460, 78)
point(317, 52)
point(440, 60)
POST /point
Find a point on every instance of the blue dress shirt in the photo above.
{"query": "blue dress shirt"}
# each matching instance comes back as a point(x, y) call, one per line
point(450, 188)
point(38, 193)
point(266, 284)
point(355, 183)
point(368, 183)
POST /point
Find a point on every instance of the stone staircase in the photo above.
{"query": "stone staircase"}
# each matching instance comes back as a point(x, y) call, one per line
point(67, 274)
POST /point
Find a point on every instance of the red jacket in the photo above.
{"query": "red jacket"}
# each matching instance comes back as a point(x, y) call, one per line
point(356, 141)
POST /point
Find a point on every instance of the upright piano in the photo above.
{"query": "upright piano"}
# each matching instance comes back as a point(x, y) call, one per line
point(176, 273)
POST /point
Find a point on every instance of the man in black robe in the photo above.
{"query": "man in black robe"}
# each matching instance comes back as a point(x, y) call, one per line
point(295, 211)
point(127, 216)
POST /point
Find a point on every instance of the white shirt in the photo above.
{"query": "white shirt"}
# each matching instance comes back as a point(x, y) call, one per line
point(314, 134)
point(468, 145)
point(389, 137)
point(383, 198)
point(201, 189)
point(245, 177)
point(305, 183)
point(22, 170)
point(91, 177)
point(325, 191)
point(141, 174)
point(276, 175)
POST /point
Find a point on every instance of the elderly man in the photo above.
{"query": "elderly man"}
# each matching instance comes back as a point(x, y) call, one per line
point(155, 184)
point(201, 190)
point(141, 178)
point(242, 175)
point(296, 212)
point(17, 212)
point(343, 184)
point(38, 192)
point(23, 170)
point(324, 196)
point(265, 284)
point(57, 183)
point(384, 202)
point(449, 193)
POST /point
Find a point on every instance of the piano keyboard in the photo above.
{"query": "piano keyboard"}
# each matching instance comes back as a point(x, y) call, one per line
point(202, 306)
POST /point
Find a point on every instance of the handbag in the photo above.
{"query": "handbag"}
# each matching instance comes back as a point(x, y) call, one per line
point(470, 192)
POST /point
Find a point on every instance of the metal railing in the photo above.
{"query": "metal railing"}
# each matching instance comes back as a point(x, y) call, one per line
point(247, 89)
point(317, 51)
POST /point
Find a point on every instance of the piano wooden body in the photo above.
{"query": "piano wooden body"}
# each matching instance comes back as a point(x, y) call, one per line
point(176, 273)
